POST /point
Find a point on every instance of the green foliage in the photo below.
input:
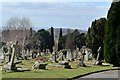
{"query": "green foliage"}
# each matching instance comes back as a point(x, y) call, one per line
point(95, 36)
point(112, 35)
point(72, 40)
point(42, 40)
point(52, 35)
point(60, 43)
point(78, 39)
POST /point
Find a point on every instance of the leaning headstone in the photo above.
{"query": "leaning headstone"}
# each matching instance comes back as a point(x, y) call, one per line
point(97, 61)
point(11, 66)
point(99, 50)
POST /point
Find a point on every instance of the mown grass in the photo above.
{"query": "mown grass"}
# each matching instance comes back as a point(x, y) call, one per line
point(51, 71)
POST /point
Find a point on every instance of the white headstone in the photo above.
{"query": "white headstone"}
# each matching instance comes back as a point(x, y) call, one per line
point(69, 54)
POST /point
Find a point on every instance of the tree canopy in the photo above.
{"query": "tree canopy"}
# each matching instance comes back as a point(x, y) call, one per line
point(112, 35)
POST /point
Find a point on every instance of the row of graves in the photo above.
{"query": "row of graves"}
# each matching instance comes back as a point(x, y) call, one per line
point(62, 58)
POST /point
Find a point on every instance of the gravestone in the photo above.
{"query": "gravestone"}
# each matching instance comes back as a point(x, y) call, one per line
point(86, 55)
point(49, 53)
point(4, 51)
point(79, 55)
point(38, 55)
point(97, 61)
point(69, 55)
point(34, 53)
point(25, 55)
point(11, 66)
point(81, 60)
point(54, 58)
point(28, 53)
point(60, 55)
point(76, 53)
point(9, 53)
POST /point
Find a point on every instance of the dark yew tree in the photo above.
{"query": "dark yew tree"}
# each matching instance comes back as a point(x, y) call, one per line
point(42, 40)
point(52, 35)
point(78, 39)
point(60, 40)
point(112, 35)
point(95, 36)
point(88, 38)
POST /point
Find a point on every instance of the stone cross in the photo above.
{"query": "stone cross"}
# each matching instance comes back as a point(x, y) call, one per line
point(98, 53)
point(10, 66)
point(54, 55)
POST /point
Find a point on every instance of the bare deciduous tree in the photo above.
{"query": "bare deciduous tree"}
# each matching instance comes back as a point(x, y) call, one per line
point(17, 29)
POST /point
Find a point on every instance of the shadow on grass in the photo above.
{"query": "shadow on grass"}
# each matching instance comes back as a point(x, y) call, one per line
point(23, 70)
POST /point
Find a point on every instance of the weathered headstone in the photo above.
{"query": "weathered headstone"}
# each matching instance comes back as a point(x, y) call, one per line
point(97, 61)
point(86, 55)
point(69, 55)
point(4, 51)
point(60, 55)
point(9, 53)
point(76, 53)
point(34, 53)
point(54, 59)
point(81, 60)
point(11, 66)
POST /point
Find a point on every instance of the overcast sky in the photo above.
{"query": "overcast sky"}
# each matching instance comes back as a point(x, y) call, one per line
point(55, 13)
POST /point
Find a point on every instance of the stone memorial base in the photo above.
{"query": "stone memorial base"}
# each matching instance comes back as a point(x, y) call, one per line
point(39, 65)
point(64, 64)
point(10, 68)
point(98, 63)
point(42, 66)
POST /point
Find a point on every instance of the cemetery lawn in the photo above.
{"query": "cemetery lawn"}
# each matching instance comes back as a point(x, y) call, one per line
point(51, 71)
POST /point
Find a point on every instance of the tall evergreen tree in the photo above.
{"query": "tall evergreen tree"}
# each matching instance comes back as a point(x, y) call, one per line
point(88, 38)
point(95, 36)
point(78, 39)
point(60, 40)
point(52, 35)
point(112, 35)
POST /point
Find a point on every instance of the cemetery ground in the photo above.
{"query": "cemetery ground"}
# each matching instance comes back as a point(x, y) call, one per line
point(52, 71)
